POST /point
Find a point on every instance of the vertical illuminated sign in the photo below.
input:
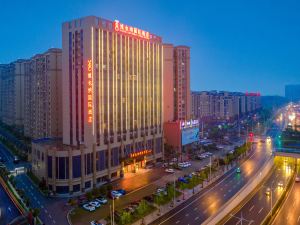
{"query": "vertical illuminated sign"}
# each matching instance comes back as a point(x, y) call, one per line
point(90, 91)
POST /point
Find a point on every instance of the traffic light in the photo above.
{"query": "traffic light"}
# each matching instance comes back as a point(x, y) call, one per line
point(251, 136)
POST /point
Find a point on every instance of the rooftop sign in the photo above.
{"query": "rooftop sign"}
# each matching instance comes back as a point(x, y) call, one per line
point(122, 28)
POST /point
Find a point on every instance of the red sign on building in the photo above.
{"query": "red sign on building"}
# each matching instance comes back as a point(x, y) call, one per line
point(90, 90)
point(120, 27)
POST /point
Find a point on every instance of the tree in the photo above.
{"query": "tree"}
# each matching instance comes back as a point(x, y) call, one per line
point(103, 190)
point(125, 218)
point(35, 212)
point(142, 208)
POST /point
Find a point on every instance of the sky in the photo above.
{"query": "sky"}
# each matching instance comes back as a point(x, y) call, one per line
point(236, 45)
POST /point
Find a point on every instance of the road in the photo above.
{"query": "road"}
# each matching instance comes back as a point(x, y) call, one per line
point(48, 206)
point(289, 212)
point(206, 203)
point(258, 206)
point(8, 210)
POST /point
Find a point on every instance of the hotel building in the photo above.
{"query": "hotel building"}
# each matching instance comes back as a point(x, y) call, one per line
point(112, 105)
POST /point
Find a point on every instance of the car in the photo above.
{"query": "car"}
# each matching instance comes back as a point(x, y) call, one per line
point(101, 200)
point(269, 139)
point(268, 191)
point(280, 184)
point(169, 170)
point(297, 179)
point(16, 159)
point(129, 209)
point(158, 190)
point(149, 198)
point(89, 207)
point(183, 180)
point(238, 170)
point(94, 222)
point(115, 194)
point(121, 191)
point(96, 204)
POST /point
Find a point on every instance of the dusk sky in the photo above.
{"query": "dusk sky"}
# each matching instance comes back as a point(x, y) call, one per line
point(235, 45)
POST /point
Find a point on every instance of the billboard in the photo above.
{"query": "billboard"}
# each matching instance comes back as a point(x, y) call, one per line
point(189, 135)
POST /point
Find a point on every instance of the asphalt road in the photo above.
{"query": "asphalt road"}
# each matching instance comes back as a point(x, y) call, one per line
point(258, 206)
point(8, 210)
point(289, 212)
point(48, 206)
point(206, 203)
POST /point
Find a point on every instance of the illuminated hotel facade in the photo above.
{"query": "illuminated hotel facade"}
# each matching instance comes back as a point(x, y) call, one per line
point(112, 105)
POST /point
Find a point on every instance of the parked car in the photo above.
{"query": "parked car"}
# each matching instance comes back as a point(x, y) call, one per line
point(238, 170)
point(170, 170)
point(121, 191)
point(96, 223)
point(89, 207)
point(115, 194)
point(149, 198)
point(101, 200)
point(280, 184)
point(183, 180)
point(96, 204)
point(16, 159)
point(297, 179)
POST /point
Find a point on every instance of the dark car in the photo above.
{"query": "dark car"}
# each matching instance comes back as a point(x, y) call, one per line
point(149, 198)
point(183, 180)
point(16, 159)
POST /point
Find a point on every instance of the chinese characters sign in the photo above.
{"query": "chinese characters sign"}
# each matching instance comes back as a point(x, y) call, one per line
point(141, 153)
point(120, 27)
point(90, 90)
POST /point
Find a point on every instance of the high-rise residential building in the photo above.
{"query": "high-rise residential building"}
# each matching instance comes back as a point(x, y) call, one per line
point(43, 95)
point(292, 92)
point(211, 105)
point(112, 105)
point(12, 93)
point(177, 98)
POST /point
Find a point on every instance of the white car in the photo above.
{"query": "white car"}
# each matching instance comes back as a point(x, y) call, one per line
point(89, 207)
point(96, 223)
point(101, 200)
point(297, 179)
point(169, 170)
point(116, 194)
point(96, 204)
point(280, 184)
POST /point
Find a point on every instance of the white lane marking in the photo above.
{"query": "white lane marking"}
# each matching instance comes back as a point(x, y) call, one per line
point(298, 219)
point(294, 204)
point(251, 208)
point(177, 221)
point(229, 190)
point(224, 195)
point(195, 208)
point(46, 211)
point(42, 206)
point(212, 188)
point(187, 215)
point(197, 218)
point(50, 216)
point(221, 189)
point(287, 218)
point(54, 221)
point(260, 210)
point(38, 202)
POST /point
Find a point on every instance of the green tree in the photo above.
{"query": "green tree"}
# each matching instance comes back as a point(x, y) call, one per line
point(125, 218)
point(142, 208)
point(89, 196)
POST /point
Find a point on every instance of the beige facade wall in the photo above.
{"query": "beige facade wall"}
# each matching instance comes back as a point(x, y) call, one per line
point(168, 83)
point(43, 105)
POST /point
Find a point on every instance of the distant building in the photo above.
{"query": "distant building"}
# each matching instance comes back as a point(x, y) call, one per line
point(213, 105)
point(292, 92)
point(12, 96)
